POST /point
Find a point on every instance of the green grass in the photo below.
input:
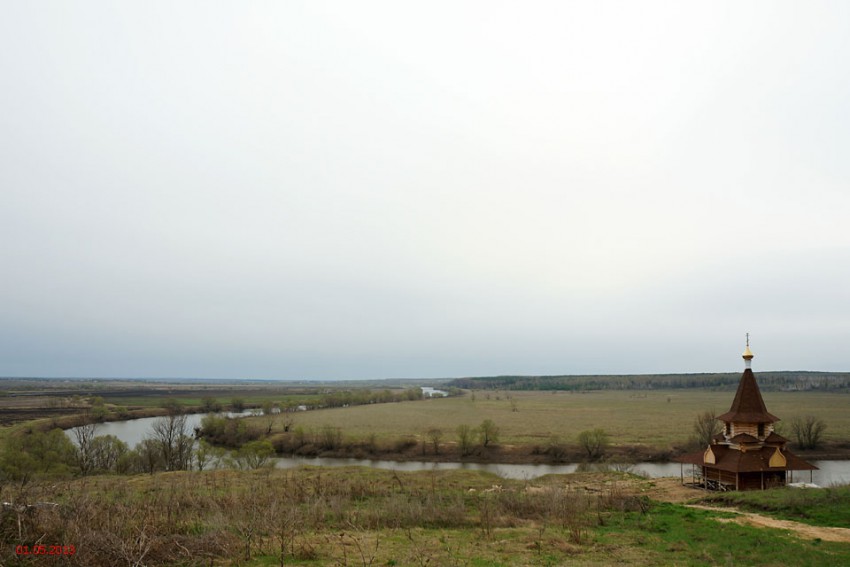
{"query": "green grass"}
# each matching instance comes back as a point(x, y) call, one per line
point(674, 535)
point(825, 507)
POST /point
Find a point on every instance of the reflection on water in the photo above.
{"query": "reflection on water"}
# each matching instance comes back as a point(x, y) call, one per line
point(832, 472)
point(133, 431)
point(513, 471)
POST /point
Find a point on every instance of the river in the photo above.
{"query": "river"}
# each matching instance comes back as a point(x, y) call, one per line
point(133, 431)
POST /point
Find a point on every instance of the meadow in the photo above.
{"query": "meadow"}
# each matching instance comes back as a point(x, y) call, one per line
point(360, 516)
point(827, 507)
point(659, 419)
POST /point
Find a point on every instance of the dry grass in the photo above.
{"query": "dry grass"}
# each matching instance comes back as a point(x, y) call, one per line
point(652, 418)
point(337, 516)
point(358, 516)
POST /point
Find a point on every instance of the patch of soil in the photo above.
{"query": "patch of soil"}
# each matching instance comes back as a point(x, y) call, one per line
point(9, 416)
point(671, 490)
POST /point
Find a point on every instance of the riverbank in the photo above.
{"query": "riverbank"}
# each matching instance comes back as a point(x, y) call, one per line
point(405, 450)
point(420, 449)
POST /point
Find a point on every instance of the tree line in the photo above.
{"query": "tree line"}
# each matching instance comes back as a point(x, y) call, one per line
point(770, 381)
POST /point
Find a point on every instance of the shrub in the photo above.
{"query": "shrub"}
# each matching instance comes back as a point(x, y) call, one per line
point(435, 435)
point(330, 437)
point(402, 444)
point(465, 439)
point(489, 432)
point(593, 442)
point(254, 454)
point(210, 404)
point(36, 454)
point(555, 449)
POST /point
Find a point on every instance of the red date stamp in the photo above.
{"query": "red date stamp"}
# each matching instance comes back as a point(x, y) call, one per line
point(45, 550)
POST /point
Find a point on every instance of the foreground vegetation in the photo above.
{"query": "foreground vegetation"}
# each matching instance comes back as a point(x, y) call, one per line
point(826, 507)
point(56, 493)
point(357, 516)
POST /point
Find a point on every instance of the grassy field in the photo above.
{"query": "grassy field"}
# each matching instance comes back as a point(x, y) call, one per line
point(827, 507)
point(654, 418)
point(357, 516)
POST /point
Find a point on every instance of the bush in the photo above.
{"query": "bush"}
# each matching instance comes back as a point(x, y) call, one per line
point(594, 442)
point(269, 407)
point(403, 444)
point(36, 454)
point(330, 437)
point(227, 431)
point(254, 454)
point(489, 432)
point(555, 449)
point(465, 439)
point(210, 404)
point(435, 435)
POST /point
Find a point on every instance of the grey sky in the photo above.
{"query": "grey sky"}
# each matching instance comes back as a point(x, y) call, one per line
point(395, 189)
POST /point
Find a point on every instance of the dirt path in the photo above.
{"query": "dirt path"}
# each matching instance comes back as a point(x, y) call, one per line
point(670, 490)
point(802, 530)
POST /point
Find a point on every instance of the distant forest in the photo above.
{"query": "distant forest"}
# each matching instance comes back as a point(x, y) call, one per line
point(768, 381)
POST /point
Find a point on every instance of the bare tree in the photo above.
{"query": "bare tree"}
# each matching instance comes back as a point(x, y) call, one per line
point(107, 451)
point(149, 456)
point(83, 435)
point(288, 419)
point(169, 432)
point(435, 435)
point(465, 438)
point(270, 412)
point(706, 427)
point(283, 516)
point(808, 431)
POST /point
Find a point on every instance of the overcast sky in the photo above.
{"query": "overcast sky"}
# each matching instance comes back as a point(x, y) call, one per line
point(329, 190)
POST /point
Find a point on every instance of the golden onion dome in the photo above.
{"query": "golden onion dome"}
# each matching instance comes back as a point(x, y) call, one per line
point(748, 354)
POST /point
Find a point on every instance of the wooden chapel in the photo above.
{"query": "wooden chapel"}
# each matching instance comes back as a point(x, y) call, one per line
point(748, 454)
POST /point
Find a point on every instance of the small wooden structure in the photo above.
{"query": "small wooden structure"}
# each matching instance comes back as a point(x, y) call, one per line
point(748, 454)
